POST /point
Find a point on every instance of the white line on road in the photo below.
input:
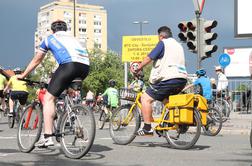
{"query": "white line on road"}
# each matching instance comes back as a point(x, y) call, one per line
point(7, 137)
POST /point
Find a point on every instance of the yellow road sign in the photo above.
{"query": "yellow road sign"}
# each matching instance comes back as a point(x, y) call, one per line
point(135, 48)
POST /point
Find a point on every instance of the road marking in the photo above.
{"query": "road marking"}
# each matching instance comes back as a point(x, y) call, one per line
point(7, 137)
point(3, 154)
point(105, 138)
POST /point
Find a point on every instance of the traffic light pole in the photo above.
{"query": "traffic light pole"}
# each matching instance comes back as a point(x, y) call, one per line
point(198, 39)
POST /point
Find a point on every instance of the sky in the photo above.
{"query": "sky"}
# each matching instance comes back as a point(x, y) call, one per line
point(19, 20)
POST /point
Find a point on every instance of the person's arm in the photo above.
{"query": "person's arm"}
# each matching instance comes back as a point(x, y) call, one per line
point(7, 86)
point(156, 53)
point(145, 62)
point(37, 59)
point(188, 86)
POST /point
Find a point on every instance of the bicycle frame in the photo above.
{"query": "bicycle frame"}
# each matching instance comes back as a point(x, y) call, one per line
point(159, 120)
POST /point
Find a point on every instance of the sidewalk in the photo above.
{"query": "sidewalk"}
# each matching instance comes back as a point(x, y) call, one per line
point(239, 123)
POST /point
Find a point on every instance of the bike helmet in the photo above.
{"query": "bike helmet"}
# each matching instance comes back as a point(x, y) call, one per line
point(17, 70)
point(112, 83)
point(58, 26)
point(200, 72)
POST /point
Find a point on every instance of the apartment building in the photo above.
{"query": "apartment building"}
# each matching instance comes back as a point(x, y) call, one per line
point(89, 22)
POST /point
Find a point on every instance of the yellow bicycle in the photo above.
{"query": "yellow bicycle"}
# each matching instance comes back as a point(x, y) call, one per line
point(180, 120)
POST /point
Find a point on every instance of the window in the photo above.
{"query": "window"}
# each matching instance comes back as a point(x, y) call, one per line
point(97, 30)
point(97, 22)
point(82, 30)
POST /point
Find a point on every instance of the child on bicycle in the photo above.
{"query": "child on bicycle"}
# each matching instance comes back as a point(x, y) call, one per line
point(202, 85)
point(112, 96)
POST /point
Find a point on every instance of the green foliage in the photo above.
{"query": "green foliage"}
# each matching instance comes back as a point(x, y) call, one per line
point(242, 87)
point(41, 73)
point(103, 67)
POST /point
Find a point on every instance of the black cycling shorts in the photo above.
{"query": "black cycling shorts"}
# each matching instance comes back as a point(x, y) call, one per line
point(64, 75)
point(19, 95)
point(164, 89)
point(1, 94)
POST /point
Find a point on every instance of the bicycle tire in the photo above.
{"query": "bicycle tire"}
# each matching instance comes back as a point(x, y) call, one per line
point(30, 122)
point(225, 109)
point(102, 119)
point(69, 124)
point(129, 129)
point(11, 120)
point(214, 118)
point(251, 137)
point(175, 141)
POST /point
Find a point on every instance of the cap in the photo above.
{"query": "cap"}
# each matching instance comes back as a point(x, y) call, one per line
point(217, 68)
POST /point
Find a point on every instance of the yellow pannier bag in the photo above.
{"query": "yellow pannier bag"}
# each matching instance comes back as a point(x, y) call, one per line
point(181, 100)
point(202, 107)
point(203, 117)
point(202, 103)
point(181, 108)
point(181, 116)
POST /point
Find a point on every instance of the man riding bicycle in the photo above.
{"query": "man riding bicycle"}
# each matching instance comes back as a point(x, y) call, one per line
point(73, 63)
point(19, 90)
point(168, 75)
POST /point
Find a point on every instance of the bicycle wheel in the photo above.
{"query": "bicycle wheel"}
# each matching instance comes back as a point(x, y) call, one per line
point(251, 138)
point(11, 120)
point(214, 122)
point(183, 136)
point(225, 109)
point(30, 128)
point(124, 125)
point(102, 119)
point(78, 131)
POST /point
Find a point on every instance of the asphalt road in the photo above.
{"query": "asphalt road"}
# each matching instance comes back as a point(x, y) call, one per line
point(223, 149)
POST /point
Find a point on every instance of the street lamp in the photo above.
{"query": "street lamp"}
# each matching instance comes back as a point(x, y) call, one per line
point(74, 1)
point(141, 25)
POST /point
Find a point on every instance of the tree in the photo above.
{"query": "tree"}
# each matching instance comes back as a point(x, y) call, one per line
point(103, 67)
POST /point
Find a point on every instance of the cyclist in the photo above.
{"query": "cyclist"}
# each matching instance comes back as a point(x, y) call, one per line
point(3, 82)
point(202, 85)
point(19, 90)
point(112, 96)
point(168, 75)
point(73, 63)
point(222, 85)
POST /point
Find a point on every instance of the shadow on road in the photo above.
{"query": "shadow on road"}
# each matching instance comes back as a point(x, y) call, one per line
point(99, 148)
point(164, 145)
point(9, 151)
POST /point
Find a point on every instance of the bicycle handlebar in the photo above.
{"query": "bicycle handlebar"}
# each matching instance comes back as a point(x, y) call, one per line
point(31, 82)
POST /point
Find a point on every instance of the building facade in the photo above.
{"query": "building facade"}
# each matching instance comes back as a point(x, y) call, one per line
point(90, 22)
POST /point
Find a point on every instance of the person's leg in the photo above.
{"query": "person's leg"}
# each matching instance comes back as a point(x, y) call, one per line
point(146, 109)
point(146, 101)
point(11, 105)
point(49, 113)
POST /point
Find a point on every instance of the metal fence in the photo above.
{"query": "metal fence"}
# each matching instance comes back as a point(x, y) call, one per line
point(238, 95)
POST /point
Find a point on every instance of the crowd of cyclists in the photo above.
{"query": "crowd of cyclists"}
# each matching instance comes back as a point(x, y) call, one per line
point(168, 77)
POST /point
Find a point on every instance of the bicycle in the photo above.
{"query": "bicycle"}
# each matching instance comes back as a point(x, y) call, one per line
point(223, 104)
point(180, 120)
point(105, 117)
point(75, 138)
point(17, 111)
point(251, 136)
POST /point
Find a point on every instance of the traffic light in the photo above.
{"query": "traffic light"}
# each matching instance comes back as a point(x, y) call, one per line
point(207, 48)
point(183, 31)
point(192, 36)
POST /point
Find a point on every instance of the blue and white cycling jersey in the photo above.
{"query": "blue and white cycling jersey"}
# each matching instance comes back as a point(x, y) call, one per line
point(65, 48)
